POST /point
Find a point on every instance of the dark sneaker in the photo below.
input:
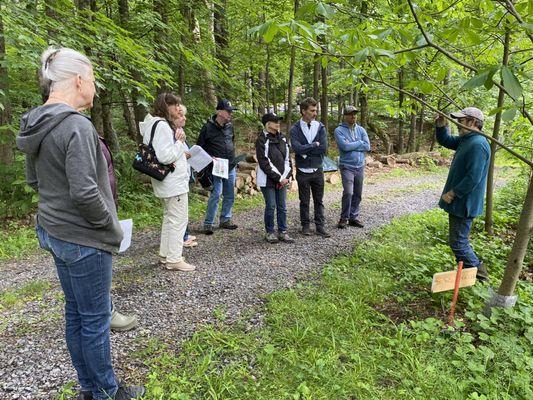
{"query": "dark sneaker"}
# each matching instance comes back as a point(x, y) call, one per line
point(306, 231)
point(322, 232)
point(356, 223)
point(85, 395)
point(284, 237)
point(228, 225)
point(271, 237)
point(129, 392)
point(342, 224)
point(208, 229)
point(482, 273)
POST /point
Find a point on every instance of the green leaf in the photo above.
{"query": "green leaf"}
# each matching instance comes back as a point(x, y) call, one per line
point(480, 79)
point(362, 55)
point(509, 115)
point(511, 83)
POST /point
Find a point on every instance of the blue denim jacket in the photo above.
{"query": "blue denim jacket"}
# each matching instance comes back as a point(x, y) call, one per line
point(352, 145)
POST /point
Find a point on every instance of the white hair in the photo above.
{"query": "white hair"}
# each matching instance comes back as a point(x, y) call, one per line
point(59, 65)
point(183, 108)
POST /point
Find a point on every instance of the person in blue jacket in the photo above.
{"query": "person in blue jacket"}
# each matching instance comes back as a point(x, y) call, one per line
point(464, 191)
point(352, 141)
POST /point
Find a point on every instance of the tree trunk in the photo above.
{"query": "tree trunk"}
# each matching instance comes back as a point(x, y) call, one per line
point(324, 98)
point(96, 115)
point(518, 252)
point(316, 76)
point(109, 133)
point(493, 146)
point(382, 135)
point(412, 133)
point(400, 116)
point(445, 83)
point(161, 31)
point(420, 124)
point(129, 117)
point(6, 135)
point(290, 90)
point(123, 13)
point(364, 106)
point(267, 79)
point(220, 29)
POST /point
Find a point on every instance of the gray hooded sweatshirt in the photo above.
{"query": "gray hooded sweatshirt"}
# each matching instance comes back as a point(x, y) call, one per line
point(66, 166)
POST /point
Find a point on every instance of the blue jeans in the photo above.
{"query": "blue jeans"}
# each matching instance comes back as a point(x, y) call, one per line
point(352, 191)
point(85, 276)
point(275, 201)
point(458, 240)
point(222, 187)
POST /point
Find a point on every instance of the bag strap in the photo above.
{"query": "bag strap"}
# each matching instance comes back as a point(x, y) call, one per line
point(153, 131)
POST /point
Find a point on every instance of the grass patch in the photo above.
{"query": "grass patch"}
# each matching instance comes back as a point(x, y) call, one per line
point(369, 329)
point(31, 291)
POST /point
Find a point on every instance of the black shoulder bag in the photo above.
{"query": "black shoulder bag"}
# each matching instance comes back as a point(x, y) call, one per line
point(146, 161)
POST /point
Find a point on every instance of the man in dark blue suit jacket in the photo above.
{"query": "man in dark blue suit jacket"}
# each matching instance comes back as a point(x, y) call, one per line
point(464, 192)
point(309, 142)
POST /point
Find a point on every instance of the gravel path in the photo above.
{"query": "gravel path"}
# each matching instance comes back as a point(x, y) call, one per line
point(235, 270)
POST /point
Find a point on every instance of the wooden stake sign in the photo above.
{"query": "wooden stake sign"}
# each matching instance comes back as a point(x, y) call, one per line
point(443, 281)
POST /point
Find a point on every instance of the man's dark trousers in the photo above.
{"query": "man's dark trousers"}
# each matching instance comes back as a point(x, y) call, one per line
point(311, 183)
point(352, 184)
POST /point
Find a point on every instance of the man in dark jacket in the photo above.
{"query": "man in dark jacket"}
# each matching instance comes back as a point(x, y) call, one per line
point(217, 139)
point(464, 191)
point(309, 142)
point(273, 176)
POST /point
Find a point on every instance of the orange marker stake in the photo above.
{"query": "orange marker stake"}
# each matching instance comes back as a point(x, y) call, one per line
point(455, 292)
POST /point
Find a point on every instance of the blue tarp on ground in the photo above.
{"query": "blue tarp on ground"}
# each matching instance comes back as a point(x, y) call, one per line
point(329, 165)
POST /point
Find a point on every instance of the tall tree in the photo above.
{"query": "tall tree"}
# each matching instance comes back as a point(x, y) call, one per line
point(6, 134)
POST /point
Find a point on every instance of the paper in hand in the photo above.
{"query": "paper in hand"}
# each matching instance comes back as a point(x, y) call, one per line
point(199, 159)
point(127, 229)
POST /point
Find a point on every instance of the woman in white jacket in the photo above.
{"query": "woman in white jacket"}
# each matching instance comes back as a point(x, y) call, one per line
point(169, 147)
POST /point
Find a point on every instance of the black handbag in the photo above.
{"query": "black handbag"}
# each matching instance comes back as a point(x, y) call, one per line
point(145, 160)
point(205, 177)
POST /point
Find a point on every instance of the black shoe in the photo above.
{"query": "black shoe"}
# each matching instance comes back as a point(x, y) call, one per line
point(208, 230)
point(342, 224)
point(129, 392)
point(306, 231)
point(482, 273)
point(85, 395)
point(322, 232)
point(228, 225)
point(356, 223)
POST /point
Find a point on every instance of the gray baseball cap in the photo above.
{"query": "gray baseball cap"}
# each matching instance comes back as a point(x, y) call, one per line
point(350, 110)
point(469, 112)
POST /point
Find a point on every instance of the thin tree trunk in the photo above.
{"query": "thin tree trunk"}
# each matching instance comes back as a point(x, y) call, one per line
point(6, 141)
point(400, 116)
point(420, 125)
point(412, 133)
point(267, 79)
point(109, 133)
point(316, 76)
point(493, 147)
point(364, 106)
point(324, 98)
point(288, 110)
point(518, 252)
point(129, 117)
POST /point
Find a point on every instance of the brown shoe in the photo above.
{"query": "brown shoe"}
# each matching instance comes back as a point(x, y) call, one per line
point(356, 222)
point(180, 266)
point(342, 224)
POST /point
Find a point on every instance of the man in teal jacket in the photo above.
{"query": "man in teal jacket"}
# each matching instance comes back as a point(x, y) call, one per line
point(464, 192)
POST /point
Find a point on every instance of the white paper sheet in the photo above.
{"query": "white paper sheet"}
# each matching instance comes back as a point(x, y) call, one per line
point(221, 167)
point(199, 158)
point(127, 228)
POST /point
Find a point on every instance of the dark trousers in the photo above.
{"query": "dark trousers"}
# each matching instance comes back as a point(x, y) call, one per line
point(352, 190)
point(308, 184)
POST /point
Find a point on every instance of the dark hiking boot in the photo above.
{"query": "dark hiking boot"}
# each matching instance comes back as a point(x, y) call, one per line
point(322, 232)
point(306, 230)
point(129, 392)
point(342, 224)
point(228, 225)
point(357, 223)
point(85, 395)
point(208, 229)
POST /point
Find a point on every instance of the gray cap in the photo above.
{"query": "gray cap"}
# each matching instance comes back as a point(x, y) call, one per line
point(350, 110)
point(469, 112)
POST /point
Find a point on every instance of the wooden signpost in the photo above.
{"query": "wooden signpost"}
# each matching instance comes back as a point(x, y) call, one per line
point(449, 280)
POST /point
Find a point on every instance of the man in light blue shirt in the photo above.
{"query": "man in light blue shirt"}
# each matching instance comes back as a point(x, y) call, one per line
point(352, 141)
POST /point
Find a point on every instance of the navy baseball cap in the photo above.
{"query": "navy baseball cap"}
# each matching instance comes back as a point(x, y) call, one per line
point(224, 104)
point(270, 117)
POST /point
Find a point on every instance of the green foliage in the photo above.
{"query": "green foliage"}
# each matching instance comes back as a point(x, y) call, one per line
point(33, 290)
point(368, 329)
